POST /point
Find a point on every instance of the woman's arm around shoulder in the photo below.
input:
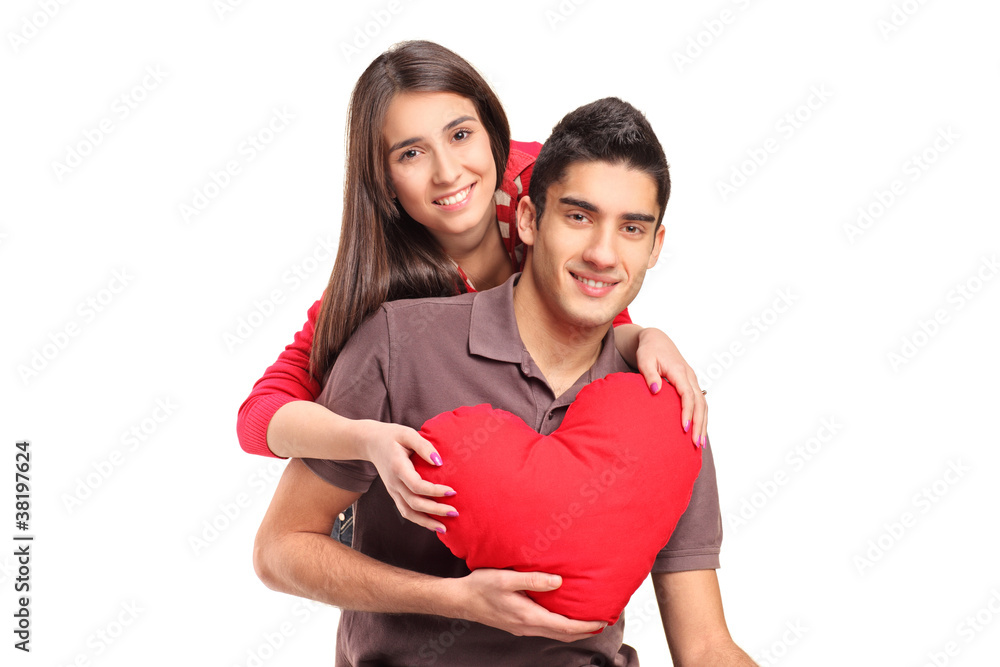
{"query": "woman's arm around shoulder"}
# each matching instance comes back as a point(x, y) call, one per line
point(281, 418)
point(287, 380)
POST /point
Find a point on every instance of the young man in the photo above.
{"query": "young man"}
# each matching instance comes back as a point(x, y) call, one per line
point(592, 221)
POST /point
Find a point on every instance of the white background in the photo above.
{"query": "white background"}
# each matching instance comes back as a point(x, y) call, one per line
point(792, 556)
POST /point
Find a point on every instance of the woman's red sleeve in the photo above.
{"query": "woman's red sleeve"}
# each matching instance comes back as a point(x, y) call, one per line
point(287, 379)
point(622, 318)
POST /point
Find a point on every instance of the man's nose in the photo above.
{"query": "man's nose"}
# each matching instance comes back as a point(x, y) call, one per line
point(601, 251)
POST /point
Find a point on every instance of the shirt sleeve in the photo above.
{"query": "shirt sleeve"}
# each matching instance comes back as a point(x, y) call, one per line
point(287, 379)
point(697, 540)
point(357, 388)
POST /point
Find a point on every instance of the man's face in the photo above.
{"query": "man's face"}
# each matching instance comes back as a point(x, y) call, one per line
point(591, 249)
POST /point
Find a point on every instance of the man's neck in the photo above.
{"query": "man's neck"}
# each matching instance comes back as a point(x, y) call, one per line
point(562, 351)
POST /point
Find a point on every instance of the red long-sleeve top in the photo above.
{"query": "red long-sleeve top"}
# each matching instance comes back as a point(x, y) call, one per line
point(288, 379)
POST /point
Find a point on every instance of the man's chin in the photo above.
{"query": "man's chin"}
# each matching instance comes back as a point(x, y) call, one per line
point(585, 322)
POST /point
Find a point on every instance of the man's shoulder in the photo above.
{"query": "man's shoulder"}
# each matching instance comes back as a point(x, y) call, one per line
point(429, 322)
point(441, 303)
point(442, 310)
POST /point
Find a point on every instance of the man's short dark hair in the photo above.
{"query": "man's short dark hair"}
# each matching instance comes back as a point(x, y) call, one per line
point(608, 130)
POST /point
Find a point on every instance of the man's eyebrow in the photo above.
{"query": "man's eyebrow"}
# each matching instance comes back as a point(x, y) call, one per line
point(579, 203)
point(587, 206)
point(412, 140)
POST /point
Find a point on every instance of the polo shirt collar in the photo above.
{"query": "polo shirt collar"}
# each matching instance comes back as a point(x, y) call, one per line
point(493, 329)
point(493, 334)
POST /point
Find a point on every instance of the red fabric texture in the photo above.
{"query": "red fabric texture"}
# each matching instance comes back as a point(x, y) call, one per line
point(593, 502)
point(288, 378)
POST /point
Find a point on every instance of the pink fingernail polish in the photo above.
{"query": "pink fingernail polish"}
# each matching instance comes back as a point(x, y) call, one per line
point(449, 493)
point(452, 513)
point(655, 387)
point(436, 458)
point(687, 425)
point(702, 441)
point(440, 530)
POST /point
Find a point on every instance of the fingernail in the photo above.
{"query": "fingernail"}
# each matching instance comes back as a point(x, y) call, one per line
point(449, 493)
point(440, 529)
point(452, 513)
point(687, 425)
point(702, 441)
point(655, 387)
point(553, 581)
point(436, 458)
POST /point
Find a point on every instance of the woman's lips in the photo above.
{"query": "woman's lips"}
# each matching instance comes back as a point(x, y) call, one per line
point(455, 200)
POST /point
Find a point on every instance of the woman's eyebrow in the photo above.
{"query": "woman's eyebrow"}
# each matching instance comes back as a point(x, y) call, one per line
point(458, 121)
point(412, 140)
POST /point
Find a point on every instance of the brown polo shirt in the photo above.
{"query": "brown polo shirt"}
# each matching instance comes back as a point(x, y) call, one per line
point(411, 361)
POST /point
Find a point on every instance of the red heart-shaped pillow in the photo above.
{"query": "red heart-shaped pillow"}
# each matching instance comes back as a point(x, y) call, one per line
point(593, 502)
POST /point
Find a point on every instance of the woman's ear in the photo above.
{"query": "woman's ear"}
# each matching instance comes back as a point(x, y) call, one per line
point(526, 227)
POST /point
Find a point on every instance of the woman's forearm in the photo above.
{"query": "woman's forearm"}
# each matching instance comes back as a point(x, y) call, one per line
point(304, 429)
point(627, 342)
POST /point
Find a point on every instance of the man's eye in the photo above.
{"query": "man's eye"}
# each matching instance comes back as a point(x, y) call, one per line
point(578, 217)
point(633, 229)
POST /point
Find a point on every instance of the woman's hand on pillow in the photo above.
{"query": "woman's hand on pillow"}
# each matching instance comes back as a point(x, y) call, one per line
point(389, 448)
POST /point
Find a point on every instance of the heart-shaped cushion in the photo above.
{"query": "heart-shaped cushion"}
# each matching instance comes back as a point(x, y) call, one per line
point(593, 502)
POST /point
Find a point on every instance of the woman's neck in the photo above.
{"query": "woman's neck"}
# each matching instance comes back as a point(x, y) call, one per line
point(485, 261)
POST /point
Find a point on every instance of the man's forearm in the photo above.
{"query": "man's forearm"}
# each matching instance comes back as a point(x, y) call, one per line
point(320, 568)
point(693, 620)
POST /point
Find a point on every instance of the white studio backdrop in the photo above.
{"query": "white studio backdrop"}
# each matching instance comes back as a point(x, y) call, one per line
point(830, 271)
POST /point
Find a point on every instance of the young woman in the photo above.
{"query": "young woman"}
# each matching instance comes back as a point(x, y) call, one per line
point(432, 183)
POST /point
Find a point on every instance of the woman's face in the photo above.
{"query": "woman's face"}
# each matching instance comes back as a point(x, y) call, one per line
point(440, 164)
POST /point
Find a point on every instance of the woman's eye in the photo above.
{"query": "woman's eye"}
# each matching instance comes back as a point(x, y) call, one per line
point(407, 155)
point(462, 134)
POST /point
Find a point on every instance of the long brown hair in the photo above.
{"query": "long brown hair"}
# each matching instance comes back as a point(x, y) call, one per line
point(383, 253)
